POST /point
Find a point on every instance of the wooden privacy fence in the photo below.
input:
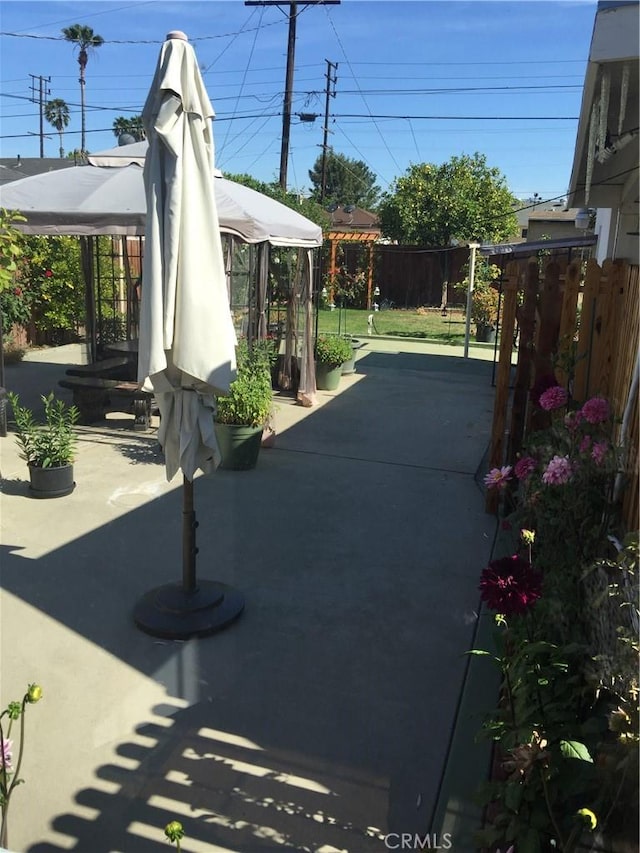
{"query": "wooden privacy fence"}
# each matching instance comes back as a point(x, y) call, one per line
point(588, 331)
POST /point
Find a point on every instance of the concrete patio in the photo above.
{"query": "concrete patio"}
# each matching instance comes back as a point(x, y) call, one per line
point(321, 720)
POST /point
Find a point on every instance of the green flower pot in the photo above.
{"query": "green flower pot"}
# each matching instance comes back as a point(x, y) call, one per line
point(239, 446)
point(327, 377)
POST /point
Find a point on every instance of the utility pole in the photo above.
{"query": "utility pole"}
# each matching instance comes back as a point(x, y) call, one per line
point(43, 90)
point(288, 92)
point(329, 94)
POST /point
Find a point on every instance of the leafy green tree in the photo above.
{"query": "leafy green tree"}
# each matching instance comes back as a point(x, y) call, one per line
point(56, 113)
point(347, 181)
point(14, 306)
point(85, 40)
point(460, 201)
point(51, 274)
point(131, 125)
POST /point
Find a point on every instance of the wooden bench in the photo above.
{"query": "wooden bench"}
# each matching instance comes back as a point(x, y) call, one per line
point(95, 396)
point(118, 367)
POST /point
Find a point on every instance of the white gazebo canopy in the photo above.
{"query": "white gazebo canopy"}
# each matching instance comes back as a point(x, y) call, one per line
point(93, 200)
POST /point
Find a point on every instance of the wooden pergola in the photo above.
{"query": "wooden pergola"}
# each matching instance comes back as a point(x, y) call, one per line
point(353, 225)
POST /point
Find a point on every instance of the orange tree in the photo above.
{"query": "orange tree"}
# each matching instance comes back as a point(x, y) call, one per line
point(460, 201)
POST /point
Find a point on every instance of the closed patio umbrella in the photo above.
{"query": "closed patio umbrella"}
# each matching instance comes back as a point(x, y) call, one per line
point(187, 341)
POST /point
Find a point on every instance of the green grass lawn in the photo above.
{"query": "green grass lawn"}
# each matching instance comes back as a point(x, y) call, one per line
point(396, 322)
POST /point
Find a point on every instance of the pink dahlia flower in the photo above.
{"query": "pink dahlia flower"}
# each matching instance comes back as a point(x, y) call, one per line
point(510, 585)
point(544, 382)
point(599, 451)
point(596, 410)
point(497, 478)
point(558, 471)
point(524, 467)
point(553, 398)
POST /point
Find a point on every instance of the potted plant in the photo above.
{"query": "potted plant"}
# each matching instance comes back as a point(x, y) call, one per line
point(331, 353)
point(49, 447)
point(242, 415)
point(484, 312)
point(349, 366)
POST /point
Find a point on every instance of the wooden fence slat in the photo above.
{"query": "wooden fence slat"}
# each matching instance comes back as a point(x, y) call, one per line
point(567, 330)
point(625, 342)
point(546, 335)
point(606, 328)
point(503, 377)
point(593, 275)
point(522, 383)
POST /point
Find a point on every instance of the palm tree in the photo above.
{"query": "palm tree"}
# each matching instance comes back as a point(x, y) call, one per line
point(56, 113)
point(85, 40)
point(133, 126)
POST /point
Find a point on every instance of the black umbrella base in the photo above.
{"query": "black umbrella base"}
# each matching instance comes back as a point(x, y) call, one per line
point(173, 614)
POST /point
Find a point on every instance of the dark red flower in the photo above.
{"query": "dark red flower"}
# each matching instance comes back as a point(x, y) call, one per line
point(510, 585)
point(17, 291)
point(48, 273)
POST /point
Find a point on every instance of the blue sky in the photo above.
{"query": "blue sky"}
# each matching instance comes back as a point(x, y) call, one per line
point(516, 70)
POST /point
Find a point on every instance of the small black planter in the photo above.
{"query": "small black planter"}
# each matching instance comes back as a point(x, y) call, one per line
point(485, 334)
point(51, 482)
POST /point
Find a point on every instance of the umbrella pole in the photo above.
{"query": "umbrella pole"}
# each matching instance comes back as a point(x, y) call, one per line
point(189, 549)
point(179, 612)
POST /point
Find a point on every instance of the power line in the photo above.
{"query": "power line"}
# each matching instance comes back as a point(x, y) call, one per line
point(458, 118)
point(138, 41)
point(344, 53)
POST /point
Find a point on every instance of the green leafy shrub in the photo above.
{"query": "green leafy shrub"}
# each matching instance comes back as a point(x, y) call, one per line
point(250, 396)
point(47, 445)
point(333, 350)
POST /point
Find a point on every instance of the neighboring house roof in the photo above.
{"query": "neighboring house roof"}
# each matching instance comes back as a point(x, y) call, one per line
point(527, 209)
point(349, 217)
point(605, 170)
point(554, 215)
point(15, 168)
point(353, 224)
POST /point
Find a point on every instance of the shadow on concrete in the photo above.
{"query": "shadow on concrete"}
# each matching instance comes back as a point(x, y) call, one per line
point(231, 792)
point(326, 710)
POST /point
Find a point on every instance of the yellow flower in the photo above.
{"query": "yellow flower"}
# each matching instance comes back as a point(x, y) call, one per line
point(34, 693)
point(589, 815)
point(528, 536)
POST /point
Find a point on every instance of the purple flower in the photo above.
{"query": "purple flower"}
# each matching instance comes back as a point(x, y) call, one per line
point(497, 478)
point(558, 471)
point(524, 467)
point(548, 380)
point(5, 760)
point(596, 410)
point(510, 585)
point(599, 451)
point(553, 398)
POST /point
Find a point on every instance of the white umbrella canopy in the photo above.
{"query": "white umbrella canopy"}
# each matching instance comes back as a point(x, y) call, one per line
point(93, 200)
point(186, 350)
point(187, 340)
